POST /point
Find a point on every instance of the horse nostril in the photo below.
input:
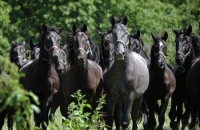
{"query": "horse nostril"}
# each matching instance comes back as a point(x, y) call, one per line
point(123, 53)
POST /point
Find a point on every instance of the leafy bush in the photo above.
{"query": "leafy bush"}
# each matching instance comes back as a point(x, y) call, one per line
point(13, 95)
point(80, 120)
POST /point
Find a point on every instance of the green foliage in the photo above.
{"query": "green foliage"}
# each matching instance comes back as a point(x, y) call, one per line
point(78, 119)
point(13, 95)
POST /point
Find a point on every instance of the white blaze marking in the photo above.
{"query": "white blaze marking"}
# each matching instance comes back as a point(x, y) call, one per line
point(160, 44)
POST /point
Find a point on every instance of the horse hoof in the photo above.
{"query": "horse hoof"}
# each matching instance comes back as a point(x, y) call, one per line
point(193, 125)
point(52, 117)
point(159, 128)
point(174, 126)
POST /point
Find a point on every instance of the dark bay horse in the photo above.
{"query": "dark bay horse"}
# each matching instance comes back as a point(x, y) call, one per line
point(35, 50)
point(41, 75)
point(125, 81)
point(83, 74)
point(59, 96)
point(162, 82)
point(187, 48)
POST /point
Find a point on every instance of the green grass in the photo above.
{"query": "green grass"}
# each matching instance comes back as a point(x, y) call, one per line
point(58, 121)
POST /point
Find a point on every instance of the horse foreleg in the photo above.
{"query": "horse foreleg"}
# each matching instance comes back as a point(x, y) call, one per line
point(172, 113)
point(2, 117)
point(128, 103)
point(10, 112)
point(118, 116)
point(194, 118)
point(186, 115)
point(110, 105)
point(162, 114)
point(151, 121)
point(135, 112)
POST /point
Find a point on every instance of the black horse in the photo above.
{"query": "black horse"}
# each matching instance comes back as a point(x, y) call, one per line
point(41, 75)
point(162, 82)
point(193, 90)
point(18, 56)
point(18, 53)
point(187, 49)
point(106, 50)
point(125, 81)
point(137, 45)
point(35, 50)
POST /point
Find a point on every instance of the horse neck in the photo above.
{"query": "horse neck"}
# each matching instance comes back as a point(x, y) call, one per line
point(45, 67)
point(80, 70)
point(189, 58)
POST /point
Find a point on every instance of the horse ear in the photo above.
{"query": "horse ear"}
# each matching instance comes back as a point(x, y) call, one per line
point(13, 43)
point(45, 27)
point(23, 43)
point(60, 30)
point(125, 20)
point(138, 33)
point(189, 30)
point(100, 33)
point(113, 21)
point(31, 43)
point(165, 36)
point(154, 38)
point(64, 47)
point(84, 28)
point(176, 32)
point(74, 28)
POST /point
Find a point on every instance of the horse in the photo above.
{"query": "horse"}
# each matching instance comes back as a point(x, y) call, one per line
point(187, 48)
point(18, 53)
point(162, 82)
point(83, 73)
point(35, 50)
point(9, 111)
point(192, 88)
point(107, 50)
point(137, 45)
point(59, 96)
point(18, 56)
point(125, 81)
point(41, 76)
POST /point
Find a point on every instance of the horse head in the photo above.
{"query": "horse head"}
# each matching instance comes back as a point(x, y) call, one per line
point(183, 44)
point(62, 62)
point(120, 37)
point(35, 50)
point(50, 44)
point(81, 44)
point(159, 50)
point(136, 44)
point(18, 53)
point(107, 47)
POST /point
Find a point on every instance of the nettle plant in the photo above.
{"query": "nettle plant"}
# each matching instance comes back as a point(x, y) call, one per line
point(78, 119)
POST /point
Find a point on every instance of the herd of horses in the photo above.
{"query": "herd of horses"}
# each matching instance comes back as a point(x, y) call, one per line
point(120, 68)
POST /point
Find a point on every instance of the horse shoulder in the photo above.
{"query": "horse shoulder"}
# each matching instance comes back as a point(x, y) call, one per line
point(170, 80)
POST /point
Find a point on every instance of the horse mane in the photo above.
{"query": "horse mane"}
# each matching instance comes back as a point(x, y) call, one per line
point(196, 44)
point(94, 55)
point(70, 51)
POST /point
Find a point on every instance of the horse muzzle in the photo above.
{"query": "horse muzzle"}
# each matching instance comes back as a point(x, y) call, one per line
point(179, 60)
point(120, 56)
